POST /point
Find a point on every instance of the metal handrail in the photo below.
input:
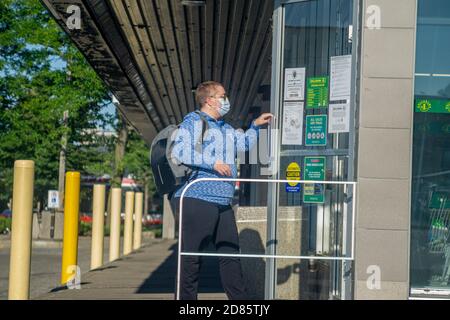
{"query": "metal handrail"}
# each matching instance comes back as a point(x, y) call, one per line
point(180, 229)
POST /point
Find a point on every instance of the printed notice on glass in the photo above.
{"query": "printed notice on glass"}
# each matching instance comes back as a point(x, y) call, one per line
point(340, 77)
point(339, 118)
point(294, 84)
point(293, 123)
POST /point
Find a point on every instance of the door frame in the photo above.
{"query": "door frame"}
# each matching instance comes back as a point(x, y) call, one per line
point(275, 144)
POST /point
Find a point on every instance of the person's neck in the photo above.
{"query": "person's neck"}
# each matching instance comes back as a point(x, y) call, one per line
point(210, 113)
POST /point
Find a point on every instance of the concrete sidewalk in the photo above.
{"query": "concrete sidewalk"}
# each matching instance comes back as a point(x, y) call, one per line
point(148, 274)
point(45, 264)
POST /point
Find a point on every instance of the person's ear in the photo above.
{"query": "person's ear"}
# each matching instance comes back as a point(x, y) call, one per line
point(210, 102)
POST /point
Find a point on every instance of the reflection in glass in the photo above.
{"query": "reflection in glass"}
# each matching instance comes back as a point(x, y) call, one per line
point(430, 224)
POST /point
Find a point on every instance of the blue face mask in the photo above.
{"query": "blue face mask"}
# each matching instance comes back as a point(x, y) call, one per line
point(225, 106)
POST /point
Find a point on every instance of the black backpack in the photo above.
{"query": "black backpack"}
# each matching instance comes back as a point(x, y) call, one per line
point(168, 173)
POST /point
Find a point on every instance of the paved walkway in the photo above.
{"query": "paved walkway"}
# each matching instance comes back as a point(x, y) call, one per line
point(45, 264)
point(147, 274)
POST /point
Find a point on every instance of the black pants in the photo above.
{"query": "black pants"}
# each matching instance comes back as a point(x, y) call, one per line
point(205, 222)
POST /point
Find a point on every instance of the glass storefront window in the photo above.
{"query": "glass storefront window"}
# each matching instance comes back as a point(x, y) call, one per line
point(430, 223)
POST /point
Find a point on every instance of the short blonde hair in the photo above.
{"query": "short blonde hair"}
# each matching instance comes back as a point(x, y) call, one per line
point(206, 90)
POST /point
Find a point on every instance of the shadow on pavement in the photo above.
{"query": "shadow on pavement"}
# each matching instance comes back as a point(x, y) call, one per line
point(162, 280)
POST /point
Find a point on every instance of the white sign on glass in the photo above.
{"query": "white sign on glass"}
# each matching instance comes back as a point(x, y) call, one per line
point(294, 84)
point(339, 118)
point(340, 77)
point(293, 123)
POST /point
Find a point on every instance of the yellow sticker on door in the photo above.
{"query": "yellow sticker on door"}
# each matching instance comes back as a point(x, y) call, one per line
point(293, 172)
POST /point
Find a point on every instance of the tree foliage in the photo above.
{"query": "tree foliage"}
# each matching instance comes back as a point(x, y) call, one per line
point(42, 74)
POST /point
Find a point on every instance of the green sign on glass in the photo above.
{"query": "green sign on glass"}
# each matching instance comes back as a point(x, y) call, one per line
point(316, 130)
point(439, 200)
point(317, 92)
point(432, 106)
point(314, 169)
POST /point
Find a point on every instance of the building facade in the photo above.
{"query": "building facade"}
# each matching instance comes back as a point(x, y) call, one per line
point(361, 93)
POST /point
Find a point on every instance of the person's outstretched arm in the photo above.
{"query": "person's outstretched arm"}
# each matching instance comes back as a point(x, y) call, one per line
point(245, 141)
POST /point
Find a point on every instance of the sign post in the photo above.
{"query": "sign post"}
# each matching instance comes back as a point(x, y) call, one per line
point(53, 199)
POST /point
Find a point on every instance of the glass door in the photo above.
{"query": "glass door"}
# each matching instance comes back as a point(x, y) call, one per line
point(313, 90)
point(430, 221)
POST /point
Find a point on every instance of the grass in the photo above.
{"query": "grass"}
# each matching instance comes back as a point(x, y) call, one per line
point(157, 229)
point(85, 229)
point(5, 225)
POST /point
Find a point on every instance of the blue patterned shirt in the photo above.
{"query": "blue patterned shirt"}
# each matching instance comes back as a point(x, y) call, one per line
point(221, 142)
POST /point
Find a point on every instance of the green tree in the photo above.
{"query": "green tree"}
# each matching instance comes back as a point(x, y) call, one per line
point(136, 162)
point(42, 74)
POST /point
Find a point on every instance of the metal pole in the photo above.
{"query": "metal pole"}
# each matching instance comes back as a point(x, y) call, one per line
point(137, 235)
point(71, 220)
point(114, 235)
point(98, 216)
point(19, 270)
point(128, 230)
point(62, 162)
point(275, 143)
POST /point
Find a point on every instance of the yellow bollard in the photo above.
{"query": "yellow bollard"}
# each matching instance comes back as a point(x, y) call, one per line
point(128, 229)
point(22, 208)
point(98, 221)
point(114, 233)
point(138, 203)
point(71, 221)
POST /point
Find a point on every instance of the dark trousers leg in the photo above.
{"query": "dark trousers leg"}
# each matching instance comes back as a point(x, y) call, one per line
point(190, 267)
point(199, 222)
point(227, 242)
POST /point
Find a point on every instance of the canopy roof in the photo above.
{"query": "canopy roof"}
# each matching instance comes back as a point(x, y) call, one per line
point(153, 53)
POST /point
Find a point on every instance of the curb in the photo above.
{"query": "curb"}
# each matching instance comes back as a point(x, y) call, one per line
point(40, 244)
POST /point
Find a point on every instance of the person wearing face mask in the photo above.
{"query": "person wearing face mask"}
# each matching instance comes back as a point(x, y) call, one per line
point(207, 213)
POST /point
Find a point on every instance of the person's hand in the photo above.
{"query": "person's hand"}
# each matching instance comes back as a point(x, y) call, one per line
point(263, 119)
point(222, 168)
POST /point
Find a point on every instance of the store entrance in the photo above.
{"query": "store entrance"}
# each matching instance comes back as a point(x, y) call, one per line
point(313, 98)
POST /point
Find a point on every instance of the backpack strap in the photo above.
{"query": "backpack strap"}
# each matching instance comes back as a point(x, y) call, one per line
point(199, 144)
point(205, 127)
